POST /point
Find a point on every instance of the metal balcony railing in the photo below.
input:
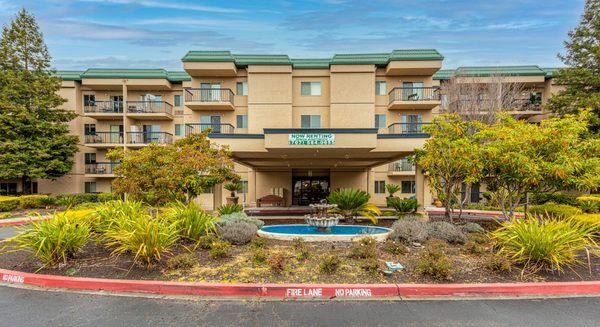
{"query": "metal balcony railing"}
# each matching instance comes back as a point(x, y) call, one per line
point(149, 107)
point(209, 95)
point(149, 137)
point(104, 138)
point(414, 94)
point(406, 128)
point(103, 107)
point(214, 128)
point(100, 168)
point(401, 165)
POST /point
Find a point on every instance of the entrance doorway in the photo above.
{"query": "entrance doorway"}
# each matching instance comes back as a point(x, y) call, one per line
point(308, 190)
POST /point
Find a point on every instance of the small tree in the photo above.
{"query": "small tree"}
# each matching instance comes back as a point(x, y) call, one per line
point(34, 134)
point(580, 80)
point(450, 158)
point(520, 158)
point(158, 174)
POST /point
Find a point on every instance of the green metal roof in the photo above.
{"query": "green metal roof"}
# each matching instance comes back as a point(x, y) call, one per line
point(211, 56)
point(250, 59)
point(500, 70)
point(416, 54)
point(443, 74)
point(68, 75)
point(178, 76)
point(550, 71)
point(310, 63)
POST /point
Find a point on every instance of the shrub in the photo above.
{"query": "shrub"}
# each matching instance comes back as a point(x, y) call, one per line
point(230, 208)
point(589, 203)
point(238, 232)
point(205, 242)
point(592, 221)
point(329, 264)
point(392, 189)
point(181, 261)
point(560, 198)
point(8, 204)
point(395, 248)
point(105, 197)
point(302, 250)
point(46, 201)
point(141, 234)
point(219, 250)
point(447, 232)
point(471, 227)
point(479, 238)
point(370, 265)
point(239, 216)
point(408, 230)
point(353, 202)
point(473, 248)
point(551, 209)
point(258, 242)
point(433, 262)
point(498, 263)
point(116, 212)
point(277, 262)
point(66, 200)
point(54, 240)
point(258, 255)
point(191, 221)
point(403, 205)
point(545, 243)
point(366, 247)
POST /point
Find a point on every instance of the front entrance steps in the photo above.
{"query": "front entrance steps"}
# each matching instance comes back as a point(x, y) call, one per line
point(286, 212)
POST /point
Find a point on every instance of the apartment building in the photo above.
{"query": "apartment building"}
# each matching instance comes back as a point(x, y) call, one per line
point(297, 128)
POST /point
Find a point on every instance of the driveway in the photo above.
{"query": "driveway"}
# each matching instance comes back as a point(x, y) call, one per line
point(24, 307)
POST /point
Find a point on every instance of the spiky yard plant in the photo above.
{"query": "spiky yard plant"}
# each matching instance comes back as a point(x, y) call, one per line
point(353, 202)
point(191, 221)
point(227, 209)
point(392, 189)
point(233, 187)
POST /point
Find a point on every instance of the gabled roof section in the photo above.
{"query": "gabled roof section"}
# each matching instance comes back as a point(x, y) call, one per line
point(416, 54)
point(178, 76)
point(550, 71)
point(310, 63)
point(443, 74)
point(486, 71)
point(208, 56)
point(379, 59)
point(124, 73)
point(252, 59)
point(68, 75)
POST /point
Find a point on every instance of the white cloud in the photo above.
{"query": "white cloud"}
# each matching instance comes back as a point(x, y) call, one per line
point(169, 5)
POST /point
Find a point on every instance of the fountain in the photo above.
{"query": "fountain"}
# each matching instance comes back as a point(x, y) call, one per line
point(322, 219)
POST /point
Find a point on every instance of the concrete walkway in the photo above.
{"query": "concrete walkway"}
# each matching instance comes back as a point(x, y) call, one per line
point(23, 307)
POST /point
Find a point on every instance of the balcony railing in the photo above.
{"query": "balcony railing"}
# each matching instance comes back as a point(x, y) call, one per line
point(402, 165)
point(407, 128)
point(414, 94)
point(214, 128)
point(149, 107)
point(209, 95)
point(103, 107)
point(104, 138)
point(101, 168)
point(149, 137)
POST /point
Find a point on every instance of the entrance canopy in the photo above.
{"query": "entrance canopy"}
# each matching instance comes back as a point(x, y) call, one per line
point(337, 148)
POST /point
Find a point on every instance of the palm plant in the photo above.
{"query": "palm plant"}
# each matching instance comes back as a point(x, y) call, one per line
point(233, 187)
point(403, 206)
point(353, 202)
point(392, 189)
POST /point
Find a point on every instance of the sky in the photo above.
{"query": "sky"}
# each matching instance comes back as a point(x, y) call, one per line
point(157, 33)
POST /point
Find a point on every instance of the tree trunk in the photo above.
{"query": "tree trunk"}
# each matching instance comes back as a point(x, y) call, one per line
point(526, 206)
point(26, 185)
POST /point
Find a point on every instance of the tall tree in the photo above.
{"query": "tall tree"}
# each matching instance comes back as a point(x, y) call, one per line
point(34, 134)
point(581, 79)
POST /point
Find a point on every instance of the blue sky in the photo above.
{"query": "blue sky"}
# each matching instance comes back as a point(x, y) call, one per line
point(157, 33)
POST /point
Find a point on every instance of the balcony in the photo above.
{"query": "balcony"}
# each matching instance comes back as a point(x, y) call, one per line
point(414, 98)
point(140, 139)
point(214, 128)
point(103, 109)
point(209, 99)
point(100, 169)
point(407, 129)
point(104, 139)
point(150, 110)
point(401, 168)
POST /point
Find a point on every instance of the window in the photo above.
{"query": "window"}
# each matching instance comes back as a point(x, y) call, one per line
point(8, 188)
point(380, 121)
point(178, 130)
point(310, 88)
point(379, 187)
point(535, 98)
point(244, 187)
point(89, 129)
point(212, 122)
point(241, 88)
point(445, 102)
point(90, 158)
point(412, 123)
point(89, 100)
point(208, 190)
point(90, 187)
point(412, 91)
point(177, 100)
point(408, 187)
point(310, 121)
point(242, 121)
point(380, 88)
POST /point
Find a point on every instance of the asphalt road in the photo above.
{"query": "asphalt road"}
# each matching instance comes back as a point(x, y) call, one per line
point(24, 307)
point(6, 232)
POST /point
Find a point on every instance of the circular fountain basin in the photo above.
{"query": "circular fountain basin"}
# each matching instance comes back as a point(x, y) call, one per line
point(338, 233)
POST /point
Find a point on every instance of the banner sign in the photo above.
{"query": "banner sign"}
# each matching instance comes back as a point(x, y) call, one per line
point(311, 139)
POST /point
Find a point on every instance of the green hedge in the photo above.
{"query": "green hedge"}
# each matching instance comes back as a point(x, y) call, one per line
point(557, 197)
point(8, 204)
point(554, 210)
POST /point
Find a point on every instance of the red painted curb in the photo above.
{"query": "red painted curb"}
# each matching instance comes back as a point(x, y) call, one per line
point(297, 291)
point(19, 222)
